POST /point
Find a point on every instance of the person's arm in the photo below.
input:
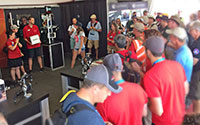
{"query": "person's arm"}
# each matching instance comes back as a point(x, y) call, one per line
point(27, 41)
point(186, 85)
point(20, 45)
point(137, 69)
point(25, 36)
point(99, 29)
point(13, 47)
point(144, 113)
point(155, 105)
point(82, 40)
point(195, 61)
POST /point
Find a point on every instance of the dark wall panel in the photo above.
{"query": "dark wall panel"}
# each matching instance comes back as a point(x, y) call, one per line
point(82, 11)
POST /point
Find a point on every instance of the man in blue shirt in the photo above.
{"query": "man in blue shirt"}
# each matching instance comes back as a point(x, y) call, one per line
point(97, 86)
point(183, 54)
point(94, 27)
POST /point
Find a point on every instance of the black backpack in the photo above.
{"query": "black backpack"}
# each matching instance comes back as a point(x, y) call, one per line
point(61, 118)
point(128, 73)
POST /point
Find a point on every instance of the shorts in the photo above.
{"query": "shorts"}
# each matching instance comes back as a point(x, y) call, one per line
point(194, 92)
point(72, 43)
point(34, 52)
point(93, 42)
point(15, 62)
point(83, 49)
point(111, 48)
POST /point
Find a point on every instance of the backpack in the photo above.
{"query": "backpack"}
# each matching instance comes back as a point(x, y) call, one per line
point(128, 74)
point(61, 118)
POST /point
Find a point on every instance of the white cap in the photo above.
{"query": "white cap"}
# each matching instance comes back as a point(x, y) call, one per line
point(179, 32)
point(93, 16)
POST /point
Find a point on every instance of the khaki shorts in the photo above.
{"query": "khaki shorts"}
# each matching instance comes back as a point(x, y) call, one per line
point(93, 42)
point(110, 48)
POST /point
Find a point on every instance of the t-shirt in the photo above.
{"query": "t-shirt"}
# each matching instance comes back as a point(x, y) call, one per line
point(184, 56)
point(111, 35)
point(70, 29)
point(94, 35)
point(78, 40)
point(13, 54)
point(28, 32)
point(166, 80)
point(125, 52)
point(83, 117)
point(195, 48)
point(126, 107)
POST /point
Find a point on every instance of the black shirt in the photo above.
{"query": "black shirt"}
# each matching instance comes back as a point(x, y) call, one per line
point(195, 48)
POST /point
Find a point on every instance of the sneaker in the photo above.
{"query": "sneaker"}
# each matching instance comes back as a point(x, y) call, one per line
point(41, 69)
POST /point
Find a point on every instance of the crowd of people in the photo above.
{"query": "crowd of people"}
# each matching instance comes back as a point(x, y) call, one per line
point(164, 55)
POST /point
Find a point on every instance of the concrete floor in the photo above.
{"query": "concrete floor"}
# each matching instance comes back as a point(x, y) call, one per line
point(49, 81)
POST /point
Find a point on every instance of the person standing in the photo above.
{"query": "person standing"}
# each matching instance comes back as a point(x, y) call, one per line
point(194, 93)
point(110, 38)
point(94, 28)
point(128, 106)
point(31, 30)
point(97, 86)
point(72, 32)
point(183, 54)
point(165, 84)
point(14, 29)
point(79, 47)
point(14, 56)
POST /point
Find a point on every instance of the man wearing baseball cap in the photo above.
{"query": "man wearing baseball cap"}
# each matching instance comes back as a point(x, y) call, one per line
point(126, 107)
point(183, 54)
point(94, 27)
point(136, 44)
point(97, 86)
point(166, 85)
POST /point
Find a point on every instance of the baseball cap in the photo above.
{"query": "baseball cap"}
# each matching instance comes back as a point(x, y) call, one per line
point(155, 44)
point(164, 17)
point(12, 27)
point(93, 16)
point(179, 32)
point(139, 27)
point(113, 62)
point(120, 40)
point(101, 75)
point(176, 19)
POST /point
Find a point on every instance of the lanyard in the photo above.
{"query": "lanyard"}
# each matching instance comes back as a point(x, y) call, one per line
point(159, 60)
point(119, 81)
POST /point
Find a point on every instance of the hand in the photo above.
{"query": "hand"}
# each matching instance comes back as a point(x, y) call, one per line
point(17, 40)
point(91, 28)
point(79, 51)
point(112, 41)
point(94, 29)
point(108, 123)
point(72, 29)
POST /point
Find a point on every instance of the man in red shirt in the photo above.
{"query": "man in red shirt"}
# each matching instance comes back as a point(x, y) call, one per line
point(126, 107)
point(31, 30)
point(165, 84)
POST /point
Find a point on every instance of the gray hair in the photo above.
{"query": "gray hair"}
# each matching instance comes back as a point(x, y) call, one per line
point(195, 26)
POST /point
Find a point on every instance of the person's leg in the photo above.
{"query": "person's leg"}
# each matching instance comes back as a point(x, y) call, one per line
point(30, 63)
point(74, 58)
point(30, 59)
point(83, 54)
point(90, 44)
point(96, 45)
point(12, 73)
point(39, 58)
point(22, 69)
point(40, 61)
point(196, 106)
point(108, 49)
point(18, 72)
